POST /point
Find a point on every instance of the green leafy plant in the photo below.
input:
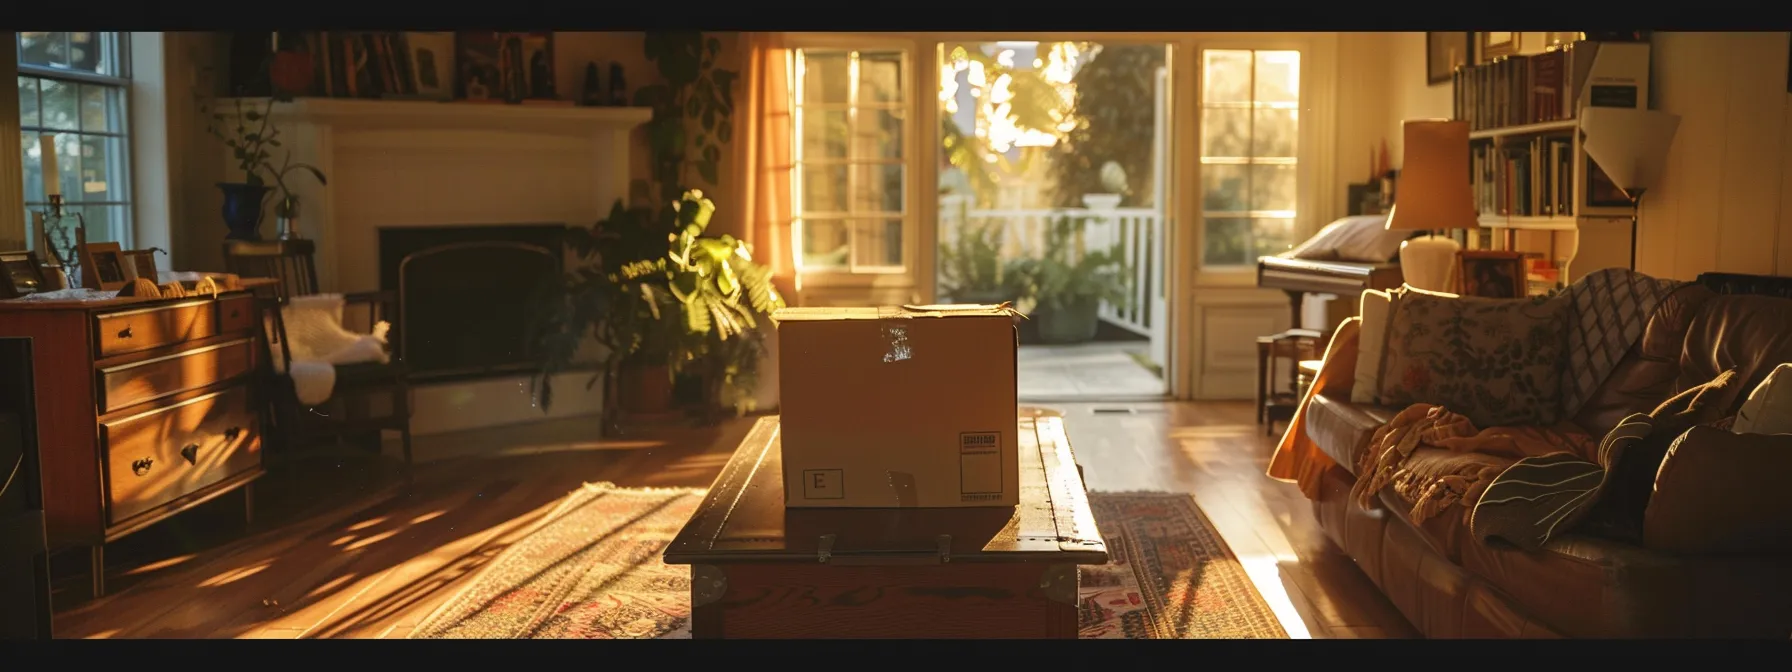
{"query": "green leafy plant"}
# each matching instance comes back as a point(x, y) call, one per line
point(693, 109)
point(250, 134)
point(689, 302)
point(1114, 113)
point(971, 268)
point(1068, 275)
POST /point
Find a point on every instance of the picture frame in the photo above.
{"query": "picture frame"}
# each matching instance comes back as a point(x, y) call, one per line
point(24, 274)
point(1561, 39)
point(103, 266)
point(141, 264)
point(1444, 53)
point(1493, 274)
point(504, 67)
point(432, 57)
point(1492, 44)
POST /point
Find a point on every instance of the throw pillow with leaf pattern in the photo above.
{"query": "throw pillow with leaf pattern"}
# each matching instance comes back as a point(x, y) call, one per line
point(1496, 361)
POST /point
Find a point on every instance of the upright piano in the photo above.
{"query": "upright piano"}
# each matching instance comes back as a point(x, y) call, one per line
point(1344, 279)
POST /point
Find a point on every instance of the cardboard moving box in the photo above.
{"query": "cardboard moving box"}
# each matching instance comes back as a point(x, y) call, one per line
point(899, 407)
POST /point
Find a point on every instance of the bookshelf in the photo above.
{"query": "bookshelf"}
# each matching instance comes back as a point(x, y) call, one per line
point(1535, 188)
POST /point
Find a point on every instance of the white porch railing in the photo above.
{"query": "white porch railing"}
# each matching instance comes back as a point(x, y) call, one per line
point(1138, 232)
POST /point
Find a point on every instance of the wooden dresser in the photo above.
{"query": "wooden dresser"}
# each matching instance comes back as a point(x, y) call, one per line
point(145, 408)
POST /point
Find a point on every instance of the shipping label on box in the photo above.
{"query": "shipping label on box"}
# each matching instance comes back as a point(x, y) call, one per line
point(898, 407)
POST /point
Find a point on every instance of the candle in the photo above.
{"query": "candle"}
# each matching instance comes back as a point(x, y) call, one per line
point(52, 177)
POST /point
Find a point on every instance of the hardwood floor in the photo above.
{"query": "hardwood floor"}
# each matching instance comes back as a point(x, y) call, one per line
point(339, 550)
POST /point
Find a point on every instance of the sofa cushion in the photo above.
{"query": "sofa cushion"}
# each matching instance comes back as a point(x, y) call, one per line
point(1768, 409)
point(1646, 375)
point(1342, 429)
point(1590, 587)
point(1719, 492)
point(1497, 362)
point(1748, 333)
point(1371, 346)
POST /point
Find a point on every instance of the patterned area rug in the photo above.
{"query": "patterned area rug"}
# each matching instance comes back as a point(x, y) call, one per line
point(592, 570)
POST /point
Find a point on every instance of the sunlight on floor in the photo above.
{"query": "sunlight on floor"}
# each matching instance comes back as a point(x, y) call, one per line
point(1267, 578)
point(161, 564)
point(234, 575)
point(370, 522)
point(369, 541)
point(429, 516)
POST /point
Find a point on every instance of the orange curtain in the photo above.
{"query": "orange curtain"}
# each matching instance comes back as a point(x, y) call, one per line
point(762, 147)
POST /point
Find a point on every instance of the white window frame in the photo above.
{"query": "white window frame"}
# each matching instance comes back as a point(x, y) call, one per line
point(123, 160)
point(1313, 156)
point(918, 181)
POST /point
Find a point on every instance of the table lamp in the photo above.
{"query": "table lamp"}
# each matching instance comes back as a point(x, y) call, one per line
point(1631, 147)
point(1434, 195)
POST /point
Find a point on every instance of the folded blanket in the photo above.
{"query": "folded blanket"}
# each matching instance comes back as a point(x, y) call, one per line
point(1466, 461)
point(318, 343)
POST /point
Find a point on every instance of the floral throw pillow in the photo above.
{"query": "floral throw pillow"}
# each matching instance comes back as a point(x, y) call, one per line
point(1496, 361)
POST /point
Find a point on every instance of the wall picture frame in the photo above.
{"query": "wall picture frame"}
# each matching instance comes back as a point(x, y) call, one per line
point(1493, 274)
point(432, 63)
point(1493, 44)
point(23, 274)
point(103, 266)
point(504, 67)
point(1444, 53)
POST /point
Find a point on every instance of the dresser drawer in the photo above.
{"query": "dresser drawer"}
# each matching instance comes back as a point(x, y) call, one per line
point(236, 313)
point(144, 328)
point(157, 456)
point(137, 382)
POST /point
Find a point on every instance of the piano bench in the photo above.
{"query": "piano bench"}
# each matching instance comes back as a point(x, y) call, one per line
point(1293, 345)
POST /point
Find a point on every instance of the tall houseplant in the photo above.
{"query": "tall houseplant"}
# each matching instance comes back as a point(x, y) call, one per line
point(1068, 284)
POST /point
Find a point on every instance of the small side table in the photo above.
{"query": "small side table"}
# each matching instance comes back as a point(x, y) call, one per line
point(1292, 345)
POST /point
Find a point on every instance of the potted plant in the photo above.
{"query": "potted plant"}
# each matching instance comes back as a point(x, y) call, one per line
point(971, 268)
point(694, 306)
point(251, 135)
point(1068, 284)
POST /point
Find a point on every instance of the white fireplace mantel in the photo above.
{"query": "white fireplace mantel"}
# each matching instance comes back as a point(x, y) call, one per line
point(422, 163)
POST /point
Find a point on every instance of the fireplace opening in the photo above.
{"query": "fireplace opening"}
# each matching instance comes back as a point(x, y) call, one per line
point(467, 295)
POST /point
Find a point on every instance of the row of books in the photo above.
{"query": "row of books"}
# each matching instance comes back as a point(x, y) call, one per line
point(1525, 179)
point(1517, 90)
point(360, 64)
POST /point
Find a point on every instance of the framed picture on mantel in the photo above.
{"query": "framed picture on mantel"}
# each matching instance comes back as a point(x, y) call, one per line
point(1444, 52)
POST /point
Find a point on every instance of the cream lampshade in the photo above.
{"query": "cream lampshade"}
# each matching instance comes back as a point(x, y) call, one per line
point(1434, 195)
point(1631, 146)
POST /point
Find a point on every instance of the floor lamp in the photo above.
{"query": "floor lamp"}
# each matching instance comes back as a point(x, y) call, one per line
point(1631, 146)
point(1433, 196)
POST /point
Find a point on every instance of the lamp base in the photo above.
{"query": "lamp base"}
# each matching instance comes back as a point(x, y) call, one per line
point(1426, 262)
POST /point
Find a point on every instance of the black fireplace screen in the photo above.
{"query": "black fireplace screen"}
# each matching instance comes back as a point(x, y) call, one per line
point(466, 297)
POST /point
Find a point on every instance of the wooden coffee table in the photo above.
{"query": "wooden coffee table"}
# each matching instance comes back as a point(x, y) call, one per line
point(759, 570)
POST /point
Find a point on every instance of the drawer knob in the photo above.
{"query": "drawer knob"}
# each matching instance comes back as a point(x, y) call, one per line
point(141, 466)
point(232, 433)
point(124, 333)
point(190, 453)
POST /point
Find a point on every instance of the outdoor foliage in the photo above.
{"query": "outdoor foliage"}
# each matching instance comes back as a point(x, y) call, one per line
point(1115, 112)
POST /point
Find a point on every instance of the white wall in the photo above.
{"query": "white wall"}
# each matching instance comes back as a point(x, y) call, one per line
point(1725, 202)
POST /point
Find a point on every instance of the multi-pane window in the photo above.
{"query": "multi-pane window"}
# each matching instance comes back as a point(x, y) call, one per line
point(851, 119)
point(72, 87)
point(1250, 131)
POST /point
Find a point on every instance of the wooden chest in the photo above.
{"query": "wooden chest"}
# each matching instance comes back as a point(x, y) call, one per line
point(760, 570)
point(145, 407)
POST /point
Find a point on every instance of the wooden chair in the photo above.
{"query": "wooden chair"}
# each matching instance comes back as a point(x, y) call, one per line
point(368, 397)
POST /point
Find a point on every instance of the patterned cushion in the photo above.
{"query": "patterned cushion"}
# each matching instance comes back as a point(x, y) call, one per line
point(1496, 361)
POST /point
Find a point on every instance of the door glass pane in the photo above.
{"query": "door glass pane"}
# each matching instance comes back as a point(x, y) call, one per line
point(824, 134)
point(825, 243)
point(1272, 236)
point(878, 243)
point(1278, 77)
point(878, 188)
point(824, 189)
point(1227, 241)
point(1225, 188)
point(879, 135)
point(880, 77)
point(1225, 132)
point(1226, 77)
point(1272, 187)
point(825, 78)
point(1275, 133)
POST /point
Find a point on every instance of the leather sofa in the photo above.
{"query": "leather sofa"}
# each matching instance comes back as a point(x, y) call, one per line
point(1450, 585)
